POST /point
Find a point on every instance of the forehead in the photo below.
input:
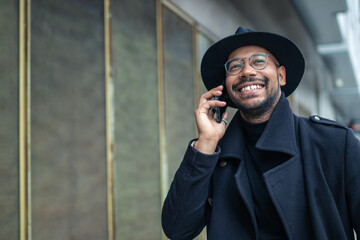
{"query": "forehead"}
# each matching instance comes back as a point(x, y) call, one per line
point(247, 51)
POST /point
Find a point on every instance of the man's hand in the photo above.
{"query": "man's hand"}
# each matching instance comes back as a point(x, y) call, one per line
point(209, 130)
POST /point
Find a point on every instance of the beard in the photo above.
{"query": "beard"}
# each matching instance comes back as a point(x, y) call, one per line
point(259, 108)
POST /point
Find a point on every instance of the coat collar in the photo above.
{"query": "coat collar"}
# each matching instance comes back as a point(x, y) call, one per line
point(279, 134)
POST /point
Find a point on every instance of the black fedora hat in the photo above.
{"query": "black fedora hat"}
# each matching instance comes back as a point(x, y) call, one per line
point(283, 49)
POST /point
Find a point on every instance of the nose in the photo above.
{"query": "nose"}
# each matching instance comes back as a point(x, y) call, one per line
point(247, 70)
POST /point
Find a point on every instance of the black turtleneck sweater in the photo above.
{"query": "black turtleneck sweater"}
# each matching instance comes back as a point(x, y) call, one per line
point(258, 162)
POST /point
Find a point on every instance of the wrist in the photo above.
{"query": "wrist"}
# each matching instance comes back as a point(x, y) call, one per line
point(206, 146)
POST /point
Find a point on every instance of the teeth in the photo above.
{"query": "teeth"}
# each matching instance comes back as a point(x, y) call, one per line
point(250, 88)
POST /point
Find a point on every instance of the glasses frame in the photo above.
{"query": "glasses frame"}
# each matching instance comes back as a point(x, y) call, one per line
point(241, 60)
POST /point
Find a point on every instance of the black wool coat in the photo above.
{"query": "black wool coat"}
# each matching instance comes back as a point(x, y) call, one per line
point(316, 192)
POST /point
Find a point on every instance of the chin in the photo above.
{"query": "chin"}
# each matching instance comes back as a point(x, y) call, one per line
point(251, 101)
point(252, 105)
point(257, 105)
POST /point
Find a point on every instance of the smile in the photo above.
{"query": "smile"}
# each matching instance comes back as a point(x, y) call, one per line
point(251, 88)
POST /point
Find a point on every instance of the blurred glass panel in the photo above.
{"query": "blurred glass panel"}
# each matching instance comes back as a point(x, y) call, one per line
point(203, 44)
point(69, 188)
point(9, 120)
point(137, 175)
point(179, 87)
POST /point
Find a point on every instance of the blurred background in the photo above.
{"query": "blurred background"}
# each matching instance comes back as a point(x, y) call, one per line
point(97, 101)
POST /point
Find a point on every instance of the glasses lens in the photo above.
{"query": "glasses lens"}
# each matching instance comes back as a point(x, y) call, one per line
point(234, 66)
point(258, 61)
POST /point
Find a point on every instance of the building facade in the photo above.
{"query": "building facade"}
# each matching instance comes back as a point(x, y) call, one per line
point(97, 100)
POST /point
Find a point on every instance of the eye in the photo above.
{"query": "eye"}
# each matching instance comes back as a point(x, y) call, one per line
point(258, 61)
point(235, 66)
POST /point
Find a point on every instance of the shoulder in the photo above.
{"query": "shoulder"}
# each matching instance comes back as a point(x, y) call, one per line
point(317, 121)
point(323, 129)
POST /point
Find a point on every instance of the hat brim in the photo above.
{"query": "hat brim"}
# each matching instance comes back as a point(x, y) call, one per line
point(283, 49)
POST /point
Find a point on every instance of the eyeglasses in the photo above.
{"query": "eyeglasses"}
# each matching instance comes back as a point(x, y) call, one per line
point(258, 61)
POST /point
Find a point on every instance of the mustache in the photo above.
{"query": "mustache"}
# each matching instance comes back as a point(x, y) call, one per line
point(246, 80)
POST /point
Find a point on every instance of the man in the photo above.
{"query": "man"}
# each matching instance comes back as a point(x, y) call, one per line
point(271, 174)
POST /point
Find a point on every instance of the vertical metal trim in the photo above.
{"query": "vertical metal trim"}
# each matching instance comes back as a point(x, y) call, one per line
point(195, 65)
point(161, 99)
point(164, 167)
point(109, 119)
point(24, 119)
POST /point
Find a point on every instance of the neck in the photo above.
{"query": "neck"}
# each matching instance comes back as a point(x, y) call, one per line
point(259, 119)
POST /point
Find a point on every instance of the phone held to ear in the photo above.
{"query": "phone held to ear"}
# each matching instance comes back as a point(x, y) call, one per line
point(219, 111)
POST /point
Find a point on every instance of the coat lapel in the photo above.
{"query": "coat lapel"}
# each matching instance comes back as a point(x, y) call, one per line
point(243, 186)
point(233, 147)
point(279, 134)
point(285, 182)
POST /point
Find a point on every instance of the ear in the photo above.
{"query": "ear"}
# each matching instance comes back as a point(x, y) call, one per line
point(282, 75)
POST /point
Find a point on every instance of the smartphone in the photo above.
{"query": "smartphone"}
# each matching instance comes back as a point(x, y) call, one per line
point(219, 111)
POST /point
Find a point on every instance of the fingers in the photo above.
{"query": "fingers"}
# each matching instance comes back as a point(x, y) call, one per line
point(215, 92)
point(205, 109)
point(205, 120)
point(211, 112)
point(211, 104)
point(208, 100)
point(224, 118)
point(207, 103)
